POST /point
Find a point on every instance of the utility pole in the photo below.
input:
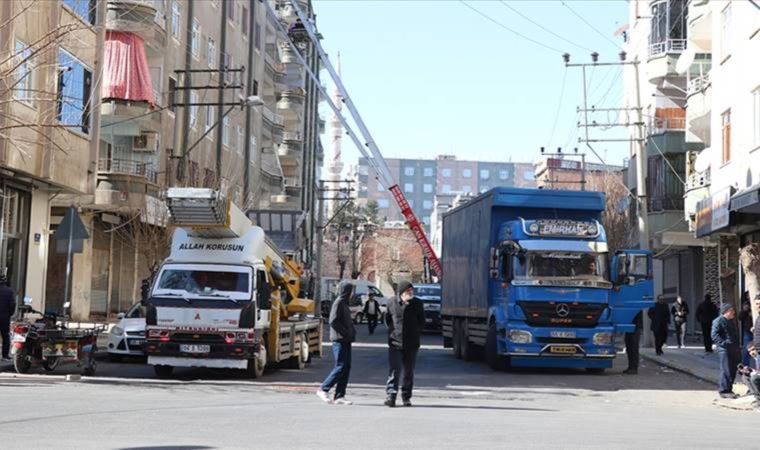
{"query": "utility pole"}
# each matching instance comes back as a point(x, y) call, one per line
point(641, 167)
point(220, 97)
point(320, 235)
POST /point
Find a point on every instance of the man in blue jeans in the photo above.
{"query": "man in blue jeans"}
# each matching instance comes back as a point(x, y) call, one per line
point(342, 334)
point(725, 335)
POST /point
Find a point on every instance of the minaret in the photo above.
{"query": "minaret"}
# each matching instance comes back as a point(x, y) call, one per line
point(334, 162)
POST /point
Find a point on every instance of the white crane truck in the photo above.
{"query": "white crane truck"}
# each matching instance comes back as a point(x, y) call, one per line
point(226, 297)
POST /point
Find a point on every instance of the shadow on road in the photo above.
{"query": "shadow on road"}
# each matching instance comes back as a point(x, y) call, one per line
point(478, 407)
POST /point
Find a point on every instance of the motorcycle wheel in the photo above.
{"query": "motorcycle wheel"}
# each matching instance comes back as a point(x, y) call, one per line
point(21, 363)
point(90, 365)
point(50, 364)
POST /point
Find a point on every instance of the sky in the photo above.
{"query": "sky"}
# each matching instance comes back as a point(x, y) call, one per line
point(436, 77)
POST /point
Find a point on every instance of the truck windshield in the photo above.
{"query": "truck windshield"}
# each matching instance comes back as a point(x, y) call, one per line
point(427, 291)
point(223, 281)
point(572, 265)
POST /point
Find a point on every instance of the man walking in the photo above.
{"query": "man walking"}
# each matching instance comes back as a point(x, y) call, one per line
point(725, 334)
point(632, 345)
point(7, 309)
point(405, 317)
point(706, 313)
point(660, 317)
point(680, 311)
point(342, 334)
point(371, 311)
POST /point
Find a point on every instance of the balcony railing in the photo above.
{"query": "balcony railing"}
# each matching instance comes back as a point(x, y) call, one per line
point(667, 203)
point(271, 116)
point(662, 124)
point(292, 136)
point(698, 180)
point(667, 46)
point(127, 167)
point(292, 183)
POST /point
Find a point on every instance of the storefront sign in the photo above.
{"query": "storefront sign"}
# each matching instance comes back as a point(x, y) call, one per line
point(713, 213)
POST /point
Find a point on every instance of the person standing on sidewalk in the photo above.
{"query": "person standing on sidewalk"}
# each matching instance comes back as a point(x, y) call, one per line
point(632, 345)
point(7, 309)
point(405, 317)
point(706, 313)
point(725, 334)
point(680, 311)
point(342, 334)
point(745, 327)
point(371, 311)
point(660, 317)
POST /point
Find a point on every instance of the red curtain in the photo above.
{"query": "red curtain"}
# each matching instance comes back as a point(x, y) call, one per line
point(125, 70)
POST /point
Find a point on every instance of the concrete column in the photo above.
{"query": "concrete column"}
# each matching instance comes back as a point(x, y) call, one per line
point(37, 250)
point(81, 277)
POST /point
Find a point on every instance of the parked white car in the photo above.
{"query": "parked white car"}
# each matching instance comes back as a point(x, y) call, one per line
point(127, 336)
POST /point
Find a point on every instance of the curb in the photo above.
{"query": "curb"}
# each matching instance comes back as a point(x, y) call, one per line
point(678, 368)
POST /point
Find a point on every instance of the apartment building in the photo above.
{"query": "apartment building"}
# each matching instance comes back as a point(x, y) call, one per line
point(422, 179)
point(147, 94)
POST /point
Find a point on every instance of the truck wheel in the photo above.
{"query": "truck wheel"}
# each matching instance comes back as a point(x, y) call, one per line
point(50, 364)
point(257, 365)
point(466, 347)
point(163, 371)
point(457, 344)
point(21, 363)
point(496, 361)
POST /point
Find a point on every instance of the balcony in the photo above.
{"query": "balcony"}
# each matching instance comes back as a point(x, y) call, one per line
point(130, 114)
point(273, 122)
point(289, 153)
point(275, 71)
point(699, 101)
point(292, 185)
point(290, 106)
point(700, 24)
point(128, 168)
point(697, 189)
point(660, 125)
point(142, 17)
point(292, 137)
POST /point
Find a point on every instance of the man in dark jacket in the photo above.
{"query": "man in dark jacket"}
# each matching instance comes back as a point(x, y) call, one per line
point(7, 309)
point(342, 334)
point(405, 317)
point(680, 311)
point(706, 313)
point(632, 345)
point(660, 317)
point(371, 311)
point(725, 334)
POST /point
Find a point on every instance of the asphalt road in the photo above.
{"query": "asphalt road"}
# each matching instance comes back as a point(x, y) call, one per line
point(457, 405)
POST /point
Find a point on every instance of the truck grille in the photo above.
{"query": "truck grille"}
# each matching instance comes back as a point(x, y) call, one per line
point(562, 314)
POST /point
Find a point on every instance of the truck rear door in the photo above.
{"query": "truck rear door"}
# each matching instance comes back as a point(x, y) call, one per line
point(633, 289)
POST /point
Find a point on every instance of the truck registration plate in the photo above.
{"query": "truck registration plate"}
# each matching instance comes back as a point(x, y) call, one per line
point(563, 349)
point(194, 348)
point(562, 334)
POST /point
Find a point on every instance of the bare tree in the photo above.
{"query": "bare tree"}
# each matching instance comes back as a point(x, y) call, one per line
point(749, 257)
point(615, 218)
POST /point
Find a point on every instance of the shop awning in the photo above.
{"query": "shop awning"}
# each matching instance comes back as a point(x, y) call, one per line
point(125, 70)
point(713, 213)
point(747, 200)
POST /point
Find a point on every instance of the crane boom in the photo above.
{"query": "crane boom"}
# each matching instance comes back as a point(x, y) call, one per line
point(379, 164)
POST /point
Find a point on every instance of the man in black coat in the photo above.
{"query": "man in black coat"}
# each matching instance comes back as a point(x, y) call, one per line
point(342, 334)
point(632, 345)
point(725, 334)
point(371, 311)
point(706, 313)
point(660, 317)
point(405, 317)
point(7, 309)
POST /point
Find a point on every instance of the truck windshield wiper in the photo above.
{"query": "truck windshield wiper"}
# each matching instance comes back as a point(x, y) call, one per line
point(174, 294)
point(222, 296)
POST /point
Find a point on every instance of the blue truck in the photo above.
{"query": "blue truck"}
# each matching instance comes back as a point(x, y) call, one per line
point(529, 281)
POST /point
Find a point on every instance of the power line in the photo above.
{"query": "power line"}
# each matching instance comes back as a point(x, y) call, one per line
point(590, 26)
point(559, 107)
point(543, 27)
point(490, 19)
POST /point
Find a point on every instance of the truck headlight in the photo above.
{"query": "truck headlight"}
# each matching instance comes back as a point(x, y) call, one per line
point(520, 337)
point(602, 339)
point(117, 331)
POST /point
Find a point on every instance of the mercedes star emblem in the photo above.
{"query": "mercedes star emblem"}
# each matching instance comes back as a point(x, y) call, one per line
point(563, 310)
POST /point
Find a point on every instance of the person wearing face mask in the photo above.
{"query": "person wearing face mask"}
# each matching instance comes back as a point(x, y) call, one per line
point(405, 318)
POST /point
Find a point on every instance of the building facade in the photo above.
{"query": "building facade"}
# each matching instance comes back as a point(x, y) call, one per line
point(422, 179)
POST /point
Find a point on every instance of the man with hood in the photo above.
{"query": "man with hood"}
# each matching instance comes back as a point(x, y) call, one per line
point(342, 334)
point(706, 313)
point(725, 335)
point(405, 318)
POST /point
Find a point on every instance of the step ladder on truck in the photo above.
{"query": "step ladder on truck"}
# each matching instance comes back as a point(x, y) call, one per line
point(226, 297)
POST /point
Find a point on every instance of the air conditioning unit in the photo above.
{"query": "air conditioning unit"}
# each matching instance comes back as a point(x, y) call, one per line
point(146, 142)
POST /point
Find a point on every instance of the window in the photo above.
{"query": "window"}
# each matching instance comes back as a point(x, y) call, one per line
point(427, 188)
point(193, 109)
point(231, 10)
point(23, 82)
point(427, 204)
point(503, 174)
point(257, 36)
point(485, 174)
point(411, 203)
point(82, 8)
point(382, 203)
point(209, 120)
point(466, 173)
point(446, 188)
point(226, 131)
point(756, 116)
point(255, 87)
point(380, 187)
point(240, 139)
point(195, 44)
point(408, 187)
point(228, 76)
point(74, 85)
point(172, 94)
point(176, 17)
point(466, 189)
point(428, 171)
point(244, 21)
point(529, 175)
point(409, 171)
point(725, 32)
point(446, 173)
point(726, 120)
point(211, 52)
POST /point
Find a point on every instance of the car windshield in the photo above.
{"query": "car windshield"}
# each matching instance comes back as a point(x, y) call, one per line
point(572, 265)
point(223, 281)
point(427, 291)
point(137, 311)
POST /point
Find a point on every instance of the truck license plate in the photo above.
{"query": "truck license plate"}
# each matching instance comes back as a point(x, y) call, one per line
point(194, 348)
point(562, 349)
point(562, 334)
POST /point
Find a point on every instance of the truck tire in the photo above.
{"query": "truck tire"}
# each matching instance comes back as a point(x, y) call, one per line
point(467, 349)
point(456, 338)
point(496, 361)
point(163, 371)
point(256, 366)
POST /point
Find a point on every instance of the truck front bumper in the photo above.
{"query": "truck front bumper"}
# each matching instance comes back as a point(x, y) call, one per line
point(210, 363)
point(240, 352)
point(559, 347)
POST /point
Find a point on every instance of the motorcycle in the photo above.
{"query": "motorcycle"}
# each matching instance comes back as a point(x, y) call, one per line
point(48, 341)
